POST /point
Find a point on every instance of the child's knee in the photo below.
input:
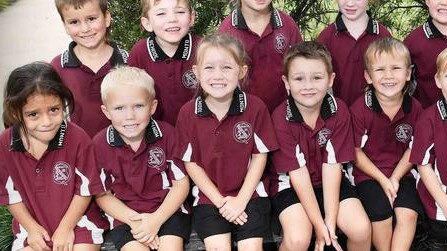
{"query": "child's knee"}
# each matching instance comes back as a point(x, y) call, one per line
point(406, 217)
point(360, 231)
point(296, 242)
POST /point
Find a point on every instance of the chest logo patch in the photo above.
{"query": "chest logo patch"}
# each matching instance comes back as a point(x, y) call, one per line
point(61, 173)
point(156, 158)
point(404, 133)
point(323, 136)
point(280, 43)
point(189, 80)
point(242, 132)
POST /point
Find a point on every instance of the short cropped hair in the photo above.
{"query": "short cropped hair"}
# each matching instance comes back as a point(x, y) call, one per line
point(77, 4)
point(308, 50)
point(441, 62)
point(130, 76)
point(386, 45)
point(147, 4)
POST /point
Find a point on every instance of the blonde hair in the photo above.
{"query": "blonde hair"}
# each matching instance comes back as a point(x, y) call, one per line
point(130, 76)
point(146, 6)
point(441, 62)
point(387, 45)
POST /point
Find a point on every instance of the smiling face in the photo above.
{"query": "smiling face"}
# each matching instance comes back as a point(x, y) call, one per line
point(255, 5)
point(87, 25)
point(388, 73)
point(308, 81)
point(438, 11)
point(42, 117)
point(352, 9)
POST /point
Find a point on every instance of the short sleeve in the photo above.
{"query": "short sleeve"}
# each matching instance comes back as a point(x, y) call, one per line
point(264, 132)
point(183, 142)
point(358, 125)
point(177, 169)
point(8, 193)
point(88, 181)
point(422, 151)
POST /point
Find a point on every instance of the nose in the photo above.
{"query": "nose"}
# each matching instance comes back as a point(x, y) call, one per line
point(46, 120)
point(130, 114)
point(172, 17)
point(85, 26)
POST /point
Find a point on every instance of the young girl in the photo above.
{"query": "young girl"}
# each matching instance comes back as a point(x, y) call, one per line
point(223, 136)
point(266, 33)
point(383, 122)
point(47, 166)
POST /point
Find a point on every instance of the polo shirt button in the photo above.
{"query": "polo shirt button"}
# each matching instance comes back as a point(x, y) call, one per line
point(38, 170)
point(217, 133)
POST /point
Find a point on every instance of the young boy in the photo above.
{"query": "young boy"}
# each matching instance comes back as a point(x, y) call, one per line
point(88, 58)
point(315, 138)
point(428, 152)
point(383, 120)
point(425, 43)
point(145, 185)
point(168, 53)
point(347, 39)
point(266, 33)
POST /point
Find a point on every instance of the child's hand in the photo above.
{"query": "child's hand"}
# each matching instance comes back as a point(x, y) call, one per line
point(331, 230)
point(63, 239)
point(148, 228)
point(389, 190)
point(233, 207)
point(322, 237)
point(241, 220)
point(37, 239)
point(395, 182)
point(155, 244)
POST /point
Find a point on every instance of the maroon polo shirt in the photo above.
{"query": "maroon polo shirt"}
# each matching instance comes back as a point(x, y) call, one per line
point(347, 56)
point(140, 179)
point(384, 141)
point(266, 53)
point(224, 148)
point(329, 142)
point(425, 43)
point(175, 82)
point(429, 147)
point(85, 85)
point(47, 186)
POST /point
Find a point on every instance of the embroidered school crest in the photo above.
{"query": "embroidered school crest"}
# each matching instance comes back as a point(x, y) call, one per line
point(242, 132)
point(280, 43)
point(61, 173)
point(189, 80)
point(404, 133)
point(323, 136)
point(156, 157)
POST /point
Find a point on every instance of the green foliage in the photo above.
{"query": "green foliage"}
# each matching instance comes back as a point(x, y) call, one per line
point(3, 4)
point(5, 229)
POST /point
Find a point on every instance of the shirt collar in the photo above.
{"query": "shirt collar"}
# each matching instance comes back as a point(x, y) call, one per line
point(442, 108)
point(70, 60)
point(238, 104)
point(157, 54)
point(371, 28)
point(238, 20)
point(152, 134)
point(372, 102)
point(430, 29)
point(327, 110)
point(56, 143)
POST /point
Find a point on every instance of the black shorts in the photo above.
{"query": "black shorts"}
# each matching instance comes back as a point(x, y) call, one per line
point(438, 231)
point(179, 224)
point(208, 221)
point(376, 203)
point(288, 197)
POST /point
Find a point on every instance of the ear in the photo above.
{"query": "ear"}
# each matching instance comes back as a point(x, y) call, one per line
point(146, 23)
point(367, 77)
point(108, 19)
point(196, 72)
point(438, 81)
point(331, 79)
point(243, 71)
point(286, 83)
point(154, 106)
point(105, 111)
point(409, 74)
point(192, 18)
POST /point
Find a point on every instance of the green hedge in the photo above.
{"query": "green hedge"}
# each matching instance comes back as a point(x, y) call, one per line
point(5, 229)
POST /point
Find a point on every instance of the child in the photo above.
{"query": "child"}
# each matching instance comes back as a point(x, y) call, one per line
point(167, 54)
point(383, 122)
point(315, 138)
point(425, 43)
point(428, 152)
point(88, 58)
point(47, 166)
point(134, 155)
point(266, 33)
point(223, 137)
point(347, 39)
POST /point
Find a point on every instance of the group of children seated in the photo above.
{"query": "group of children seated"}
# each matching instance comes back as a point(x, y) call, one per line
point(251, 121)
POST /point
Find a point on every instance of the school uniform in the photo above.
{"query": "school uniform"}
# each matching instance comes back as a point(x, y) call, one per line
point(300, 145)
point(175, 82)
point(348, 56)
point(143, 178)
point(85, 85)
point(47, 186)
point(425, 43)
point(384, 142)
point(266, 53)
point(429, 147)
point(223, 149)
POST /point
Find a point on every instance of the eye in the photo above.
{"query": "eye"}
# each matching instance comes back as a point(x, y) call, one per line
point(318, 77)
point(397, 67)
point(54, 109)
point(207, 67)
point(298, 78)
point(32, 115)
point(91, 19)
point(180, 12)
point(118, 108)
point(228, 67)
point(73, 22)
point(378, 69)
point(139, 106)
point(160, 14)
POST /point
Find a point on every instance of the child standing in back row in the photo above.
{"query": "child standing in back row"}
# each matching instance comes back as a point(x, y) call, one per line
point(267, 34)
point(347, 39)
point(88, 58)
point(47, 166)
point(168, 54)
point(384, 121)
point(223, 137)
